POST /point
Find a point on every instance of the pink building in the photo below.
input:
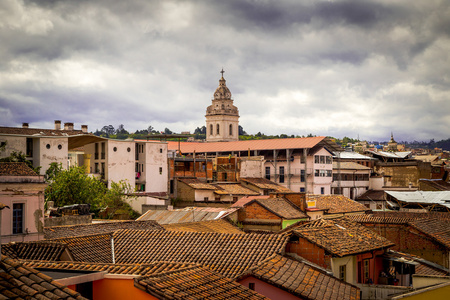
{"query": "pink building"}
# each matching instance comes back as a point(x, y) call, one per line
point(22, 191)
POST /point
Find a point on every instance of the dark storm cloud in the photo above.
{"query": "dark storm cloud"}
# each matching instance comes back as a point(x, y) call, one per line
point(296, 67)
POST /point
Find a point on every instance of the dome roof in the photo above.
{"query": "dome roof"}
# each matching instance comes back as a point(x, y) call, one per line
point(222, 92)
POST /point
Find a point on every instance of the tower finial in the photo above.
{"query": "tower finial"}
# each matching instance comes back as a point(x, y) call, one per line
point(222, 71)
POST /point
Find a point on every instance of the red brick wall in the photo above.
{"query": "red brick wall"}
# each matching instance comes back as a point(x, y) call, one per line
point(310, 252)
point(298, 199)
point(256, 211)
point(409, 240)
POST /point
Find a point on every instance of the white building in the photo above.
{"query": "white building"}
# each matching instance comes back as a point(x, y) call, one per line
point(350, 179)
point(143, 164)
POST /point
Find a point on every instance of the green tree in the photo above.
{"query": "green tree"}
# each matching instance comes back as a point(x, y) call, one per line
point(115, 201)
point(74, 186)
point(53, 171)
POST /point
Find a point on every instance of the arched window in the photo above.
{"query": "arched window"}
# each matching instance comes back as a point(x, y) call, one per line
point(218, 129)
point(231, 129)
point(211, 131)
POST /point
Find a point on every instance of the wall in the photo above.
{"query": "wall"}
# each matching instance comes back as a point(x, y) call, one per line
point(67, 220)
point(319, 182)
point(310, 252)
point(184, 192)
point(56, 153)
point(13, 143)
point(351, 267)
point(110, 289)
point(252, 167)
point(120, 163)
point(155, 157)
point(404, 173)
point(420, 281)
point(255, 211)
point(32, 196)
point(268, 290)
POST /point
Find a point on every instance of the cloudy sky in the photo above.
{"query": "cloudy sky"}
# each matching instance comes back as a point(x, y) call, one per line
point(337, 68)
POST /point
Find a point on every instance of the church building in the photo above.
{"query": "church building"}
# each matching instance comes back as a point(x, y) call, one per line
point(222, 117)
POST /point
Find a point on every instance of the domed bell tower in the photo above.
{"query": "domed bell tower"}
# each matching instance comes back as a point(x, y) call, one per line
point(222, 117)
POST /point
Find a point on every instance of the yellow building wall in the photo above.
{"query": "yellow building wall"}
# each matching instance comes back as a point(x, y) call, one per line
point(442, 293)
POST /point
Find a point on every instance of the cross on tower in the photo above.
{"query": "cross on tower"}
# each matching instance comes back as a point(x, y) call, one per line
point(222, 72)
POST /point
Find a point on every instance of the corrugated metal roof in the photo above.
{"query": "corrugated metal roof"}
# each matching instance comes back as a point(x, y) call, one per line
point(348, 165)
point(351, 155)
point(270, 144)
point(185, 215)
point(429, 197)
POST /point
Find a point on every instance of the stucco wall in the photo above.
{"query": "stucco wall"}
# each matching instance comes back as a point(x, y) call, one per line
point(268, 290)
point(52, 150)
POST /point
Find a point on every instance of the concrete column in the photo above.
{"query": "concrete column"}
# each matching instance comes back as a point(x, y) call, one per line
point(305, 155)
point(288, 158)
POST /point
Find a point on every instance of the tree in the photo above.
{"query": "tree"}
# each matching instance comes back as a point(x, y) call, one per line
point(53, 171)
point(200, 130)
point(150, 129)
point(114, 201)
point(241, 130)
point(108, 130)
point(167, 131)
point(74, 186)
point(121, 130)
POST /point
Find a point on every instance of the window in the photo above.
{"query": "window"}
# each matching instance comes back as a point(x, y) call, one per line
point(322, 190)
point(302, 159)
point(218, 129)
point(96, 150)
point(103, 150)
point(115, 149)
point(59, 146)
point(235, 199)
point(251, 286)
point(47, 146)
point(302, 175)
point(231, 129)
point(316, 159)
point(29, 147)
point(329, 160)
point(281, 174)
point(103, 168)
point(136, 168)
point(18, 218)
point(302, 190)
point(129, 149)
point(379, 206)
point(366, 270)
point(343, 272)
point(211, 130)
point(205, 199)
point(160, 170)
point(160, 150)
point(96, 168)
point(322, 159)
point(321, 173)
point(328, 173)
point(268, 173)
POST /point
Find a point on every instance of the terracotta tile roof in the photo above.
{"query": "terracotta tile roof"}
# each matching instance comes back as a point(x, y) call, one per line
point(290, 143)
point(437, 184)
point(282, 208)
point(41, 132)
point(188, 214)
point(197, 184)
point(341, 236)
point(16, 169)
point(349, 165)
point(194, 282)
point(394, 217)
point(302, 279)
point(98, 228)
point(219, 226)
point(244, 200)
point(336, 204)
point(228, 254)
point(233, 188)
point(372, 195)
point(439, 230)
point(266, 184)
point(93, 248)
point(123, 269)
point(21, 282)
point(39, 250)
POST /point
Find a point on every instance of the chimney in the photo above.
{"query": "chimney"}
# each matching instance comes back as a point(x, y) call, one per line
point(24, 125)
point(68, 126)
point(57, 124)
point(84, 128)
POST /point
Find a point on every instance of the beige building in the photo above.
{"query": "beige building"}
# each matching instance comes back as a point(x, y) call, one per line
point(222, 117)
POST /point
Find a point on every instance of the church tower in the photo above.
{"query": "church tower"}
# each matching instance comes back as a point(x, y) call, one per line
point(222, 117)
